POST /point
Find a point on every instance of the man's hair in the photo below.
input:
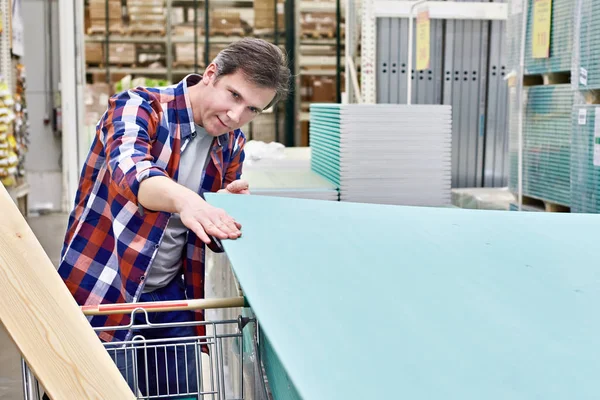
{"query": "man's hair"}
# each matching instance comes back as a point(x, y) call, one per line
point(262, 63)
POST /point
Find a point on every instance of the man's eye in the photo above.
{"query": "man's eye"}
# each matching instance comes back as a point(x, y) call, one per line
point(254, 110)
point(235, 95)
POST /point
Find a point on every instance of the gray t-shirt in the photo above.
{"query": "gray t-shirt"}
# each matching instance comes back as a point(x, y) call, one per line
point(168, 259)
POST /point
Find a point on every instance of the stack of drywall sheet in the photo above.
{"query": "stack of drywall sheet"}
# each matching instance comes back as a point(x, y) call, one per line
point(585, 159)
point(561, 39)
point(384, 153)
point(546, 143)
point(288, 175)
point(588, 68)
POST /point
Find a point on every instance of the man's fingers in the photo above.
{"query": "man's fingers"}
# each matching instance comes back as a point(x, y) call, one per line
point(197, 228)
point(233, 225)
point(227, 225)
point(213, 229)
point(238, 186)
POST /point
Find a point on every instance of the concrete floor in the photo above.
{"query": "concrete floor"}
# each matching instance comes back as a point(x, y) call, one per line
point(50, 231)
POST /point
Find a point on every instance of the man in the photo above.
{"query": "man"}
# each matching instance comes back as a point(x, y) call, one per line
point(139, 225)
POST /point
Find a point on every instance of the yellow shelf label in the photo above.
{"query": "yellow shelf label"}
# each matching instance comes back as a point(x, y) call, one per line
point(542, 26)
point(423, 40)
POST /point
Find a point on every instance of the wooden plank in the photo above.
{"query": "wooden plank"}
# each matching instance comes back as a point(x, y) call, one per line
point(45, 322)
point(390, 302)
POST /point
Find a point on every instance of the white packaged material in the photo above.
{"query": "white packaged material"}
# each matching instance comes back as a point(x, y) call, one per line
point(384, 153)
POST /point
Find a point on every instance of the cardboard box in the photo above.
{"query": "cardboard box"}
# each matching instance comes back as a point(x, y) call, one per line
point(146, 3)
point(226, 22)
point(121, 53)
point(94, 53)
point(264, 14)
point(187, 30)
point(97, 9)
point(184, 54)
point(323, 90)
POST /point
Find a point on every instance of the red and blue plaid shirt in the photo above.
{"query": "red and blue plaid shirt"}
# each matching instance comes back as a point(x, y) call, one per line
point(110, 240)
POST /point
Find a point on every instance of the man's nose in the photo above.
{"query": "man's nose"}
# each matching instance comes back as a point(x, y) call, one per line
point(235, 114)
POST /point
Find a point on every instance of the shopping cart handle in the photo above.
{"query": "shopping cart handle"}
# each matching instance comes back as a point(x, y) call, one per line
point(161, 306)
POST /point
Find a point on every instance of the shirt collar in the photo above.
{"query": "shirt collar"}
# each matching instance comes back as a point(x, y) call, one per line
point(184, 108)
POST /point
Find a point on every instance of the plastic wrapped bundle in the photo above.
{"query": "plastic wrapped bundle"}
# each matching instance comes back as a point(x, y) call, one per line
point(513, 140)
point(585, 159)
point(514, 34)
point(588, 70)
point(546, 143)
point(561, 39)
point(384, 153)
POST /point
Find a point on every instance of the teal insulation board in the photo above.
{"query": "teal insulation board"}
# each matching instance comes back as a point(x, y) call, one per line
point(561, 39)
point(585, 159)
point(589, 45)
point(546, 144)
point(365, 301)
point(325, 136)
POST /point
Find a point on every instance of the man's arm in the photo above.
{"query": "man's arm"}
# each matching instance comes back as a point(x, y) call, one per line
point(164, 194)
point(126, 137)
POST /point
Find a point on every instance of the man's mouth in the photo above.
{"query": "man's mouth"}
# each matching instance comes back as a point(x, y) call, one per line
point(222, 123)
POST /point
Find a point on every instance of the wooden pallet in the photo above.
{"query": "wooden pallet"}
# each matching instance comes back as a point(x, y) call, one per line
point(227, 31)
point(554, 78)
point(318, 34)
point(96, 30)
point(113, 65)
point(544, 205)
point(267, 32)
point(146, 31)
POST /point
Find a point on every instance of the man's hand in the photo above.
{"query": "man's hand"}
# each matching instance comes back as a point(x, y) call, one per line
point(204, 219)
point(237, 187)
point(160, 193)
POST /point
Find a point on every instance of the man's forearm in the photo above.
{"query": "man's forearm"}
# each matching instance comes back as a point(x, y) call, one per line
point(160, 193)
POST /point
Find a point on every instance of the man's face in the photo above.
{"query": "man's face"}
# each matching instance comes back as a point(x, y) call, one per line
point(231, 101)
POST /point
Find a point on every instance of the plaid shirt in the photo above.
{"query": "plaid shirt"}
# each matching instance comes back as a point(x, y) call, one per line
point(111, 240)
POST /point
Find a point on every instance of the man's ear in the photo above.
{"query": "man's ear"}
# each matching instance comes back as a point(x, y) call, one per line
point(209, 74)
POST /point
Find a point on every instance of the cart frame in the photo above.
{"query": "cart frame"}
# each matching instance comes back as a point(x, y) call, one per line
point(195, 381)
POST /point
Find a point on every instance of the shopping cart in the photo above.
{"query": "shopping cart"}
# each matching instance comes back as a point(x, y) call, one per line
point(230, 370)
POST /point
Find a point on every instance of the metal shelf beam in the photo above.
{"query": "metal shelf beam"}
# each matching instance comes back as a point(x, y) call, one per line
point(443, 10)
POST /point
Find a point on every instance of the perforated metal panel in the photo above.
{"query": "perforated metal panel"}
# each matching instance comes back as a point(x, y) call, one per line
point(465, 88)
point(495, 168)
point(467, 71)
point(392, 59)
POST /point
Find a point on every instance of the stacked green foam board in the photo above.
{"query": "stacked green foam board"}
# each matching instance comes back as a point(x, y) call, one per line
point(514, 34)
point(589, 45)
point(325, 131)
point(384, 153)
point(546, 144)
point(585, 159)
point(561, 39)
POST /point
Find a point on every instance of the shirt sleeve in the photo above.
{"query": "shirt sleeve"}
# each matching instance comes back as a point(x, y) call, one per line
point(129, 127)
point(234, 171)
